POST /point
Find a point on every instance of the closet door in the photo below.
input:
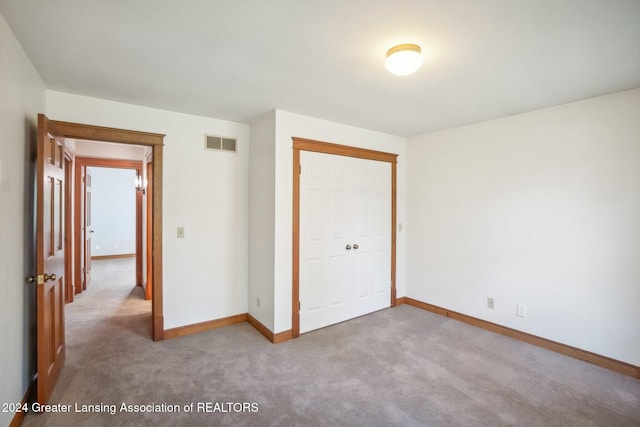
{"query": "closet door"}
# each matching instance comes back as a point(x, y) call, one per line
point(324, 268)
point(371, 247)
point(345, 242)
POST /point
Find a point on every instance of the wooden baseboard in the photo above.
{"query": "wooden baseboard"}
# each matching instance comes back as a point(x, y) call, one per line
point(18, 418)
point(567, 350)
point(282, 336)
point(274, 338)
point(158, 328)
point(400, 301)
point(226, 321)
point(99, 257)
point(204, 326)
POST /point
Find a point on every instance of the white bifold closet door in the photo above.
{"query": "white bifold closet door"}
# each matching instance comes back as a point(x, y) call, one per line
point(345, 238)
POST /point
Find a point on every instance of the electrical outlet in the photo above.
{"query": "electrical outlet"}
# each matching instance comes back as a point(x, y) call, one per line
point(258, 302)
point(116, 245)
point(490, 302)
point(521, 310)
point(97, 247)
point(180, 232)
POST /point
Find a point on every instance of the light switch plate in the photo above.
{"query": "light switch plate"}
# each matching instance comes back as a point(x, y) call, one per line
point(521, 310)
point(180, 232)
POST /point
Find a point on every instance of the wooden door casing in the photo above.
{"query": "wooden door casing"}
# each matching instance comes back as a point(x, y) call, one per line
point(301, 145)
point(155, 142)
point(68, 226)
point(345, 244)
point(149, 227)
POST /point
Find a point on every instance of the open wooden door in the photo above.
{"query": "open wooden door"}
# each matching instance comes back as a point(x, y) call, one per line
point(83, 215)
point(49, 257)
point(88, 230)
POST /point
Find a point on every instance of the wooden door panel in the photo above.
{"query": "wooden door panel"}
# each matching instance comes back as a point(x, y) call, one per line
point(88, 230)
point(50, 278)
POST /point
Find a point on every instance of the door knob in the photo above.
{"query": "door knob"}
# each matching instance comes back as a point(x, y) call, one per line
point(355, 246)
point(42, 278)
point(348, 247)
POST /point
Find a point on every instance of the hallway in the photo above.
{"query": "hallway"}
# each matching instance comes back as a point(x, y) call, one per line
point(111, 303)
point(103, 323)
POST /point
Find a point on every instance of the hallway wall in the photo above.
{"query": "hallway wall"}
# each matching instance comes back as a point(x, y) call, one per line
point(206, 192)
point(23, 97)
point(113, 207)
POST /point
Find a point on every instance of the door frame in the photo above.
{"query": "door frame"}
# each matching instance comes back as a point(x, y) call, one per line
point(303, 144)
point(148, 253)
point(84, 162)
point(156, 142)
point(69, 158)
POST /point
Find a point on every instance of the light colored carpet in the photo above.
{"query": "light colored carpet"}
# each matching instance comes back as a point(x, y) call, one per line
point(400, 366)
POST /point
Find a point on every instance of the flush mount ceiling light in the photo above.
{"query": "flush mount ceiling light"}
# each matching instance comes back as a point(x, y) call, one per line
point(403, 59)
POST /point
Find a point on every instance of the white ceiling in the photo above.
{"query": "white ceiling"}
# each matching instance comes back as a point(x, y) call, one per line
point(236, 59)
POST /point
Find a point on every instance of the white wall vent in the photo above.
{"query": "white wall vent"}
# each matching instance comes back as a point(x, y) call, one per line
point(212, 142)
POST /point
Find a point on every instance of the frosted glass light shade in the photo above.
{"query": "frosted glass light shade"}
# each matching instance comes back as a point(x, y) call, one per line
point(403, 59)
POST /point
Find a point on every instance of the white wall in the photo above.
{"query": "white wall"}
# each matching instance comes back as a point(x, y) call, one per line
point(206, 192)
point(22, 98)
point(262, 181)
point(540, 209)
point(113, 211)
point(105, 150)
point(289, 125)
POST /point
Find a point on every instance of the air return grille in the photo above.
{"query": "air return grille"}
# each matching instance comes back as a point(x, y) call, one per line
point(219, 143)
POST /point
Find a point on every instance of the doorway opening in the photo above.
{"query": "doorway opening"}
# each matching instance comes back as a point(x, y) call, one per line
point(112, 221)
point(54, 246)
point(108, 216)
point(148, 240)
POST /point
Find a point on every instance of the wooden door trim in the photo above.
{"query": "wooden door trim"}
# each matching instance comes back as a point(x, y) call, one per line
point(156, 142)
point(106, 134)
point(149, 232)
point(342, 150)
point(69, 172)
point(303, 144)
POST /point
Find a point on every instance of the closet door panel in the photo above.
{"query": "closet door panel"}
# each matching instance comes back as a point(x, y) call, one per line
point(324, 297)
point(345, 238)
point(373, 238)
